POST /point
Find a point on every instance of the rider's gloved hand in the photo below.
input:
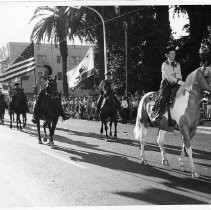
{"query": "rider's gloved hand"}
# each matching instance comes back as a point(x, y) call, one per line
point(180, 82)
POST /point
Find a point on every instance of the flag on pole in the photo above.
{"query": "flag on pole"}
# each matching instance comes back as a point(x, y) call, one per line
point(24, 64)
point(82, 71)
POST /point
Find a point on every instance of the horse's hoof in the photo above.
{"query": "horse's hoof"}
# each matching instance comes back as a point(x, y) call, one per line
point(165, 162)
point(53, 146)
point(39, 142)
point(195, 175)
point(101, 132)
point(45, 139)
point(181, 167)
point(106, 140)
point(144, 162)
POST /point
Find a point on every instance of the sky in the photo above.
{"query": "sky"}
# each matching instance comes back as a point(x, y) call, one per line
point(15, 17)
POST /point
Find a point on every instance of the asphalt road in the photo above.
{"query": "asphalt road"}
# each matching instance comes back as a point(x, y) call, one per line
point(84, 170)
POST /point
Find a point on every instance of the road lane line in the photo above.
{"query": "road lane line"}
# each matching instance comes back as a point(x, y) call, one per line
point(65, 160)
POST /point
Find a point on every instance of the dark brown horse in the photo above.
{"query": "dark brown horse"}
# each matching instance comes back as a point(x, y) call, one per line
point(108, 110)
point(49, 111)
point(18, 105)
point(108, 113)
point(3, 106)
point(185, 111)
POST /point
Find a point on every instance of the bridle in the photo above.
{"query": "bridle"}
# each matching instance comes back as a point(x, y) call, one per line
point(199, 71)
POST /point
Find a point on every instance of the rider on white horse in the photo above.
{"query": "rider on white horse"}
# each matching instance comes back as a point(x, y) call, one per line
point(171, 75)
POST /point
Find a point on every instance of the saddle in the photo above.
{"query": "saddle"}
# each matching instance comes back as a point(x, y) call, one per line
point(156, 98)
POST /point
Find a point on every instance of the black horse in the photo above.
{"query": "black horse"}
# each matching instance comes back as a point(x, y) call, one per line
point(49, 111)
point(18, 105)
point(3, 106)
point(108, 113)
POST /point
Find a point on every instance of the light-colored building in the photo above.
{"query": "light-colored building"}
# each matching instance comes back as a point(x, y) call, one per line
point(44, 54)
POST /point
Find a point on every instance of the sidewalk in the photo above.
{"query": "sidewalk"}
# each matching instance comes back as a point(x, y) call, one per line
point(205, 128)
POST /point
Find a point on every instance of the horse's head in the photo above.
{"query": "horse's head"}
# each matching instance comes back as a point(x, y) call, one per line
point(204, 75)
point(52, 86)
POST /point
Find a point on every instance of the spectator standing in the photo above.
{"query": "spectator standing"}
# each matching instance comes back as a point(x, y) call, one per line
point(124, 106)
point(134, 108)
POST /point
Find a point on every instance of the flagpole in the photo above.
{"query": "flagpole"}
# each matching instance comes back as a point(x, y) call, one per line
point(35, 78)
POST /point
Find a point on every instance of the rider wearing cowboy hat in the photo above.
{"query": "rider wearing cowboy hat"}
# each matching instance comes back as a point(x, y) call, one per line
point(171, 76)
point(43, 82)
point(105, 87)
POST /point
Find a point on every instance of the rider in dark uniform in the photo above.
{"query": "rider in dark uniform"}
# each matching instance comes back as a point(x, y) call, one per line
point(43, 82)
point(2, 96)
point(17, 89)
point(105, 90)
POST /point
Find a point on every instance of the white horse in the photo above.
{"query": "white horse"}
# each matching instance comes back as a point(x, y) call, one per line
point(185, 111)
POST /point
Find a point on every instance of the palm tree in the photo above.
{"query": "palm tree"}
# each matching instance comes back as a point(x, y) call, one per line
point(52, 25)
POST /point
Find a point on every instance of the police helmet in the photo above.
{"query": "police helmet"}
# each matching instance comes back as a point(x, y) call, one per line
point(49, 69)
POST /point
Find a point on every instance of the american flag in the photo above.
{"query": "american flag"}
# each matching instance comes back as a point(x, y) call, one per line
point(24, 64)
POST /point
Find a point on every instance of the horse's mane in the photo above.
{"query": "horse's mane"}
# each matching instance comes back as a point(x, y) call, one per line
point(188, 82)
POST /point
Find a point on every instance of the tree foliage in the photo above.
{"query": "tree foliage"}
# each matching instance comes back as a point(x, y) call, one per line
point(52, 24)
point(148, 34)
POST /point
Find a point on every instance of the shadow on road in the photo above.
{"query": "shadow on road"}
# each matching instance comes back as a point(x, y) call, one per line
point(92, 154)
point(160, 197)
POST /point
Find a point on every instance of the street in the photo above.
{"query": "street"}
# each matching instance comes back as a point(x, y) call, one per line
point(84, 170)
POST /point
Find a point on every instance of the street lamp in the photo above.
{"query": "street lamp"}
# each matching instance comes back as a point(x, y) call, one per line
point(125, 25)
point(104, 39)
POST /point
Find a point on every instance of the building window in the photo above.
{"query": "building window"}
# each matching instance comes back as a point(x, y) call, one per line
point(58, 59)
point(75, 58)
point(59, 75)
point(41, 60)
point(25, 77)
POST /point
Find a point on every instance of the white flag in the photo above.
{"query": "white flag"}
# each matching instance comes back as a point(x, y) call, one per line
point(83, 70)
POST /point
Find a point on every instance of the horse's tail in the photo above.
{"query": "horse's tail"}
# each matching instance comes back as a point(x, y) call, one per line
point(142, 118)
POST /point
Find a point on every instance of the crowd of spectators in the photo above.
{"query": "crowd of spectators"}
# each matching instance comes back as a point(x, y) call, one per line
point(86, 107)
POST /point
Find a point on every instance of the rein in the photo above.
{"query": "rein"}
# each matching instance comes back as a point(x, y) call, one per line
point(185, 87)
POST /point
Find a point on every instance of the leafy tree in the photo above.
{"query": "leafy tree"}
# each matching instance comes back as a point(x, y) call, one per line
point(53, 26)
point(198, 37)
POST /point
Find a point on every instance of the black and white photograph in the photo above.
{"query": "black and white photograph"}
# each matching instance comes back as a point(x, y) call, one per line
point(105, 104)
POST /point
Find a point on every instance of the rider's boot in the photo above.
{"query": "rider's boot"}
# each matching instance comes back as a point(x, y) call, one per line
point(159, 111)
point(35, 118)
point(99, 102)
point(63, 114)
point(35, 114)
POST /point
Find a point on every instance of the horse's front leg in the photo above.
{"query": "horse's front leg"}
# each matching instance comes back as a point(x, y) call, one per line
point(110, 125)
point(186, 140)
point(45, 138)
point(51, 143)
point(3, 117)
point(142, 137)
point(38, 130)
point(24, 120)
point(18, 120)
point(115, 129)
point(106, 130)
point(160, 140)
point(10, 119)
point(52, 130)
point(181, 158)
point(101, 129)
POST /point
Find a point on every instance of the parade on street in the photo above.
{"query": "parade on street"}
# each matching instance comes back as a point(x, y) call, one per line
point(105, 105)
point(84, 170)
